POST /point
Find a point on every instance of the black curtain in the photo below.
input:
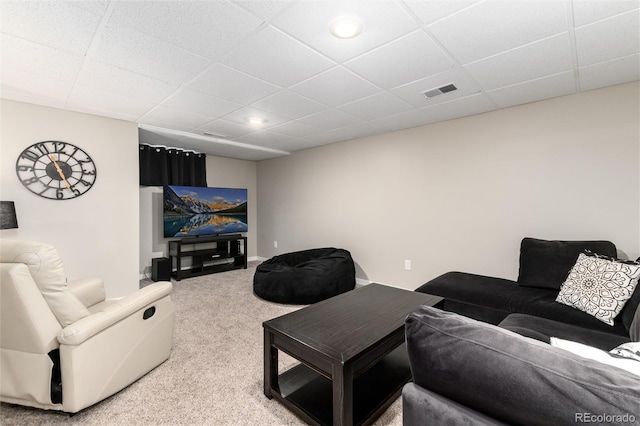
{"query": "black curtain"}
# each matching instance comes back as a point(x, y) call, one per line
point(161, 166)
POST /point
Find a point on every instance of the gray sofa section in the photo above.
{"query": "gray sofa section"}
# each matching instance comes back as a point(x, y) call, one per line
point(469, 372)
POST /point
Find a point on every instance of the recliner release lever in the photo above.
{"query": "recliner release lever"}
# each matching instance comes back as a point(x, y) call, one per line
point(148, 313)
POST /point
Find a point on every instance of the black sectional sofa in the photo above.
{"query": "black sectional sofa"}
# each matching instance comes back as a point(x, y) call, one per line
point(528, 305)
point(488, 361)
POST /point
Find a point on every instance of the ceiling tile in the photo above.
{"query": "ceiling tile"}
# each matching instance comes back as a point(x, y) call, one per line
point(588, 11)
point(503, 25)
point(535, 90)
point(412, 92)
point(52, 23)
point(233, 85)
point(120, 81)
point(376, 106)
point(277, 58)
point(34, 86)
point(310, 22)
point(265, 9)
point(241, 117)
point(99, 7)
point(331, 119)
point(11, 93)
point(612, 72)
point(608, 39)
point(535, 60)
point(335, 87)
point(208, 28)
point(295, 129)
point(402, 61)
point(225, 129)
point(146, 55)
point(102, 102)
point(296, 144)
point(289, 104)
point(265, 138)
point(431, 11)
point(412, 118)
point(471, 105)
point(346, 133)
point(38, 59)
point(174, 118)
point(201, 103)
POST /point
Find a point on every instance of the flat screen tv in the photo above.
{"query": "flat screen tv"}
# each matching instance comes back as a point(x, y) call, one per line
point(191, 211)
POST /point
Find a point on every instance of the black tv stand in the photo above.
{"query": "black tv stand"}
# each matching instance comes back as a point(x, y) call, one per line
point(208, 255)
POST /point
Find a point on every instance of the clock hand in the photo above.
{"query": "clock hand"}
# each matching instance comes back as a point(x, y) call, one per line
point(64, 179)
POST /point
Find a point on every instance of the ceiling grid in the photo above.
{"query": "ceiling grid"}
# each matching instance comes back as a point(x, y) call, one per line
point(183, 69)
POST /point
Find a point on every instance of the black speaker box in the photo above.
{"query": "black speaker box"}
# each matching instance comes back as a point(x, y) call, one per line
point(160, 269)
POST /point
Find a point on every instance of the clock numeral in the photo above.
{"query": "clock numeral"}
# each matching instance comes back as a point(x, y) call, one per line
point(30, 155)
point(30, 180)
point(84, 161)
point(84, 182)
point(42, 148)
point(77, 192)
point(25, 168)
point(59, 194)
point(89, 172)
point(59, 146)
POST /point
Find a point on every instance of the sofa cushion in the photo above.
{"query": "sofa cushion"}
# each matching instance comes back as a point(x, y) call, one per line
point(544, 329)
point(546, 264)
point(599, 286)
point(586, 351)
point(472, 294)
point(509, 377)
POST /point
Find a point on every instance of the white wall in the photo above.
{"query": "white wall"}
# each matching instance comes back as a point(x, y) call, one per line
point(221, 172)
point(460, 195)
point(96, 233)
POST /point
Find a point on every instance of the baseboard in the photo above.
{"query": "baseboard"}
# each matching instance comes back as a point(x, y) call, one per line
point(360, 281)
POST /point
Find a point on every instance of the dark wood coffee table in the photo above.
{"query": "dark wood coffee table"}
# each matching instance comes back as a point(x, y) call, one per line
point(353, 361)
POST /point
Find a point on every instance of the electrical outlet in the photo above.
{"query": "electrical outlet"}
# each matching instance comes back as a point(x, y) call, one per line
point(275, 244)
point(407, 265)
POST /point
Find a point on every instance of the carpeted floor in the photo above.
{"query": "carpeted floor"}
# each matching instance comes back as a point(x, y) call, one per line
point(215, 373)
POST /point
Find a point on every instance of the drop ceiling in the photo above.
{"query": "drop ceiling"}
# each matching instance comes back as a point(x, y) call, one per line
point(192, 73)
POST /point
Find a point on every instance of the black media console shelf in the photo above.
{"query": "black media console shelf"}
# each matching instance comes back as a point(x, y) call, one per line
point(208, 255)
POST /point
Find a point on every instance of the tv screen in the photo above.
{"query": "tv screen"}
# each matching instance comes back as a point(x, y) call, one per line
point(196, 211)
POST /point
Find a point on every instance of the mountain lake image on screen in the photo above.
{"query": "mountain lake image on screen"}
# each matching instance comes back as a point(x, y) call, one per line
point(196, 211)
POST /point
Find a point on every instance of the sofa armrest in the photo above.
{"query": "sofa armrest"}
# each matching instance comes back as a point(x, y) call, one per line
point(81, 330)
point(510, 377)
point(89, 291)
point(423, 407)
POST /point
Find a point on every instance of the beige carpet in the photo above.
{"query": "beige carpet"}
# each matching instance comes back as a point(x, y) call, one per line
point(214, 374)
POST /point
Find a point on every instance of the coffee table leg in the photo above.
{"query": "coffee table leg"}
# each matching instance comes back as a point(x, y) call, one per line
point(270, 364)
point(342, 395)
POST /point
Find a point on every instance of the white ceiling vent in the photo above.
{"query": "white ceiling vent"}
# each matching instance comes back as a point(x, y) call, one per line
point(439, 91)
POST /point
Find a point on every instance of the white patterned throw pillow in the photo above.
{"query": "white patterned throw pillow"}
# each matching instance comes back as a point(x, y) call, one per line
point(599, 286)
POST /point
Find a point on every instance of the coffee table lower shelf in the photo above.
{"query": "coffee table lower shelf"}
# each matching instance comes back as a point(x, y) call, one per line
point(309, 394)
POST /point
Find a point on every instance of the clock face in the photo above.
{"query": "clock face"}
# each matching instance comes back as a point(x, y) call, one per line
point(56, 170)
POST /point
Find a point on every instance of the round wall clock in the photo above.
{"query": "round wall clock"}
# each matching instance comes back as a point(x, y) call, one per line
point(56, 170)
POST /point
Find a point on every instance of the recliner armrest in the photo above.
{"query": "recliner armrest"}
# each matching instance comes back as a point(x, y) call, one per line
point(89, 291)
point(81, 330)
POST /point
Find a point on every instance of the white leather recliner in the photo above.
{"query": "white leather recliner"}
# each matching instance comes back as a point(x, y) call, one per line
point(62, 345)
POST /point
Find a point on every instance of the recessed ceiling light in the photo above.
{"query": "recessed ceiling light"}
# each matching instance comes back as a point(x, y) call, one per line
point(256, 121)
point(346, 28)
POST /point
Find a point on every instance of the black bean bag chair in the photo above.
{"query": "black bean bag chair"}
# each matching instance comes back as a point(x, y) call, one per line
point(305, 277)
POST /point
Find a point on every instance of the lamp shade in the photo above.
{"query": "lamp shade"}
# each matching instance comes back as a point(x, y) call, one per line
point(8, 217)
